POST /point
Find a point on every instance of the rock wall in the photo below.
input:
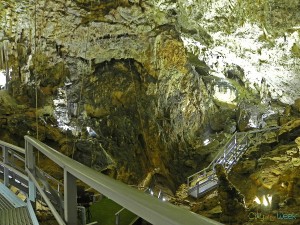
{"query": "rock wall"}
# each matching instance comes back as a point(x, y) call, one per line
point(129, 86)
point(114, 77)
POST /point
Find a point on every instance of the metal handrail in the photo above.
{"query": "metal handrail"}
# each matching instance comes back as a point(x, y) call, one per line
point(13, 147)
point(149, 208)
point(46, 199)
point(51, 178)
point(192, 178)
point(203, 171)
point(32, 213)
point(14, 170)
point(231, 147)
point(117, 215)
point(20, 172)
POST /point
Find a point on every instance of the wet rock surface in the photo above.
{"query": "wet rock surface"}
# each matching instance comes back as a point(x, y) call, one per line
point(232, 202)
point(267, 176)
point(127, 87)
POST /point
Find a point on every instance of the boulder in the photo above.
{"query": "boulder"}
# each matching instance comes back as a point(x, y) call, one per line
point(247, 166)
point(248, 116)
point(296, 105)
point(231, 200)
point(222, 119)
point(190, 163)
point(230, 126)
point(253, 116)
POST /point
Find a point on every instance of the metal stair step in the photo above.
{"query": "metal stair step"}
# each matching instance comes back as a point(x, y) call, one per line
point(1, 217)
point(15, 216)
point(11, 197)
point(4, 203)
point(24, 215)
point(228, 157)
point(203, 189)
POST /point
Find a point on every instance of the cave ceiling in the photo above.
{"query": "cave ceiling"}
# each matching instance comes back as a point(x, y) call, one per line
point(262, 37)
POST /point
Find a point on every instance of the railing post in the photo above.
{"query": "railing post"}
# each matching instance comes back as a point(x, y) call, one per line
point(236, 144)
point(30, 165)
point(117, 218)
point(234, 138)
point(5, 161)
point(224, 161)
point(70, 198)
point(83, 214)
point(12, 158)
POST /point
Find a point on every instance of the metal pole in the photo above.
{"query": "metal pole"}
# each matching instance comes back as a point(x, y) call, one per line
point(5, 161)
point(117, 219)
point(70, 198)
point(30, 165)
point(46, 199)
point(83, 214)
point(117, 214)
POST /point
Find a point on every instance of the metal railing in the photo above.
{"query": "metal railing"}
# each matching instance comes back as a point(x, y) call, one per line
point(145, 206)
point(151, 209)
point(118, 217)
point(202, 174)
point(32, 213)
point(228, 156)
point(13, 174)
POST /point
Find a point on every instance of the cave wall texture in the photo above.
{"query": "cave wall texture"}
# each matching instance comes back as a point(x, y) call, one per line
point(130, 86)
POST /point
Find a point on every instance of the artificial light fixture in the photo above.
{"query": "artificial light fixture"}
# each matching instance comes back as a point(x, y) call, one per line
point(257, 200)
point(269, 198)
point(206, 142)
point(265, 201)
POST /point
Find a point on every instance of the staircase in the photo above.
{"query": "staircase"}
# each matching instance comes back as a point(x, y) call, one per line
point(13, 211)
point(5, 204)
point(206, 180)
point(15, 216)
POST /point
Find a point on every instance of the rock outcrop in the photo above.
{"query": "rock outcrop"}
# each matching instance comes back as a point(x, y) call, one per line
point(231, 200)
point(128, 86)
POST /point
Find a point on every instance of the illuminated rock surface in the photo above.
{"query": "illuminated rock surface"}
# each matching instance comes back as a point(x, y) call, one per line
point(156, 84)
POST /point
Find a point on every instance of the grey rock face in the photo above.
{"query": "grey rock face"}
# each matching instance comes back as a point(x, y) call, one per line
point(136, 73)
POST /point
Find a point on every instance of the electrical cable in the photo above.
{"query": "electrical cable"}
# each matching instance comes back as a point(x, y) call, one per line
point(82, 81)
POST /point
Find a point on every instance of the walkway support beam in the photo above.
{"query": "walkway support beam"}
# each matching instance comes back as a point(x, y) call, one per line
point(5, 161)
point(70, 198)
point(30, 165)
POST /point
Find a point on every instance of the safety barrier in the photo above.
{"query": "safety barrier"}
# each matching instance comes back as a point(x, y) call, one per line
point(205, 180)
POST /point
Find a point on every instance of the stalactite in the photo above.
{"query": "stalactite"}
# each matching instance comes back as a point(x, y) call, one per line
point(4, 64)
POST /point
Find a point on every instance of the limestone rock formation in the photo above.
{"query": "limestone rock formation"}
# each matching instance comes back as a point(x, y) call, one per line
point(231, 200)
point(289, 131)
point(119, 69)
point(128, 86)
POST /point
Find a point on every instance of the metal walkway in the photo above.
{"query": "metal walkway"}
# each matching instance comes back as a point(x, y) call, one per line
point(15, 216)
point(13, 211)
point(206, 180)
point(65, 210)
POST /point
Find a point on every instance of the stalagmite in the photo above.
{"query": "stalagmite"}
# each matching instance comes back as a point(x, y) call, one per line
point(147, 181)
